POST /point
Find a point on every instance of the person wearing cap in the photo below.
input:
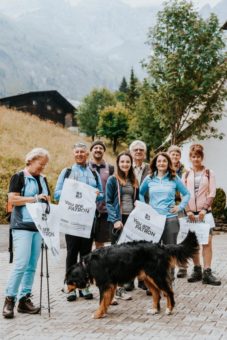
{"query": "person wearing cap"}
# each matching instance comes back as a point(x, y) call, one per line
point(138, 150)
point(174, 152)
point(104, 169)
point(80, 171)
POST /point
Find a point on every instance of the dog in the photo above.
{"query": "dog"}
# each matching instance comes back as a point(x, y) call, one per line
point(112, 266)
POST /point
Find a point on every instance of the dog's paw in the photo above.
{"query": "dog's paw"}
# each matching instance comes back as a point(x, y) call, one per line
point(153, 311)
point(168, 311)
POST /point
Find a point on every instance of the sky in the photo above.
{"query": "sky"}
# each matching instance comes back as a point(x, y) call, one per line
point(136, 3)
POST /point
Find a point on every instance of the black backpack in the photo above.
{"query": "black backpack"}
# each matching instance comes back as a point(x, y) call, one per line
point(69, 170)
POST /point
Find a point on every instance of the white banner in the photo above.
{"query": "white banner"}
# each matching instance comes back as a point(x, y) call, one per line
point(46, 225)
point(144, 223)
point(76, 208)
point(202, 229)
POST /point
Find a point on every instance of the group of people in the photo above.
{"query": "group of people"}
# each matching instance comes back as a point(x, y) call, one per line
point(164, 184)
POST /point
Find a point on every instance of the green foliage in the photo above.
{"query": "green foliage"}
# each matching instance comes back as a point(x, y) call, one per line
point(8, 166)
point(88, 111)
point(123, 86)
point(187, 70)
point(219, 203)
point(113, 123)
point(132, 93)
point(143, 123)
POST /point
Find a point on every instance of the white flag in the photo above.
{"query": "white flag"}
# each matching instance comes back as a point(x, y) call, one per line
point(45, 223)
point(76, 208)
point(144, 223)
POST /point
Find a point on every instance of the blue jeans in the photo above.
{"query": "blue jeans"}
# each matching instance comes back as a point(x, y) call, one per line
point(27, 246)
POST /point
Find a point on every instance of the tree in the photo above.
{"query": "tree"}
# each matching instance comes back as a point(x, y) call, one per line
point(143, 124)
point(88, 111)
point(132, 93)
point(113, 124)
point(187, 71)
point(123, 86)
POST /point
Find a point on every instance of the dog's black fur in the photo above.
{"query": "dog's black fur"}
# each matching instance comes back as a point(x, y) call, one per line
point(115, 265)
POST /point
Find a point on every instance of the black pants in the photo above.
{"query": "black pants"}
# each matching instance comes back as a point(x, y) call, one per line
point(116, 233)
point(76, 246)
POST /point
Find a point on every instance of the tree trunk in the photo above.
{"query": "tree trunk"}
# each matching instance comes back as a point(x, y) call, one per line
point(114, 144)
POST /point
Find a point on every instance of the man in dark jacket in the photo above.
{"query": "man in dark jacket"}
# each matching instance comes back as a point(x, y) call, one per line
point(101, 225)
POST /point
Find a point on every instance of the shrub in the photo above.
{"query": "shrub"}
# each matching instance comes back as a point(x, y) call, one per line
point(219, 203)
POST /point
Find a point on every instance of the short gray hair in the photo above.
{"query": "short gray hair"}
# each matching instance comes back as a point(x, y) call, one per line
point(137, 143)
point(80, 145)
point(36, 153)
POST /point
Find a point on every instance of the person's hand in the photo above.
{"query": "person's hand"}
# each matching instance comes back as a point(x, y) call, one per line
point(118, 225)
point(191, 216)
point(42, 197)
point(174, 209)
point(202, 214)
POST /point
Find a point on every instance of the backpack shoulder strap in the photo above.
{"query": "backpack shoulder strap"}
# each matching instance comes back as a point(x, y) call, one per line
point(94, 172)
point(207, 172)
point(186, 177)
point(67, 173)
point(111, 169)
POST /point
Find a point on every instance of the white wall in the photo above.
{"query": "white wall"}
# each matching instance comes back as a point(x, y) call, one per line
point(215, 155)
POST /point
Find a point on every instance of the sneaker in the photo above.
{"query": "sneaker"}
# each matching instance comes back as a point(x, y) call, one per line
point(141, 285)
point(8, 308)
point(129, 286)
point(196, 275)
point(86, 294)
point(72, 296)
point(26, 306)
point(122, 294)
point(209, 278)
point(182, 272)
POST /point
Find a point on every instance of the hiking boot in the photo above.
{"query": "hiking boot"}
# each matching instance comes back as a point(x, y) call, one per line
point(129, 286)
point(8, 308)
point(209, 278)
point(26, 306)
point(196, 275)
point(72, 296)
point(182, 272)
point(86, 294)
point(141, 285)
point(122, 294)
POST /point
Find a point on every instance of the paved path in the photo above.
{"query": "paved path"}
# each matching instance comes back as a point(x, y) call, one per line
point(200, 312)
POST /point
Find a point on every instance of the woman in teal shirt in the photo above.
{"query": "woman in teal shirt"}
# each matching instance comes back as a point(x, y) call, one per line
point(162, 185)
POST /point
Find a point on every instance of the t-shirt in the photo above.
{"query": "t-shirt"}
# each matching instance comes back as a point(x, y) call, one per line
point(127, 198)
point(17, 183)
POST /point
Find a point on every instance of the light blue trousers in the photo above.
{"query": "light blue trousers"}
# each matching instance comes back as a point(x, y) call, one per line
point(27, 246)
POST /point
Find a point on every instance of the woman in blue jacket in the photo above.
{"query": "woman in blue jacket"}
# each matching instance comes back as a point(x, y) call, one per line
point(162, 185)
point(121, 193)
point(26, 186)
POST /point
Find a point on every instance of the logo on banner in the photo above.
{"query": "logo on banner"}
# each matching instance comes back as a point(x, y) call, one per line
point(78, 194)
point(143, 227)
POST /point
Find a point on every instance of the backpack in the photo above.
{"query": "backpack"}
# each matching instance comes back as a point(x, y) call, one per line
point(207, 173)
point(9, 206)
point(69, 170)
point(9, 209)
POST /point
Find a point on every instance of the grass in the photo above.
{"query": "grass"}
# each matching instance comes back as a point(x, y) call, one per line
point(19, 133)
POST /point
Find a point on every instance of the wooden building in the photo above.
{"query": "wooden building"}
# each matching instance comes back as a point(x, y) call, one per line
point(49, 105)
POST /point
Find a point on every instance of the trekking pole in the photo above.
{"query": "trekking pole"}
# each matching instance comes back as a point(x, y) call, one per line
point(41, 277)
point(47, 276)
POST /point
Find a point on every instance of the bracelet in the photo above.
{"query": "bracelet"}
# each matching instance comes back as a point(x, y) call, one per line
point(36, 199)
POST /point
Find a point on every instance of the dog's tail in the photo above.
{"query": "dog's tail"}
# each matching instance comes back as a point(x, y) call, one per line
point(185, 250)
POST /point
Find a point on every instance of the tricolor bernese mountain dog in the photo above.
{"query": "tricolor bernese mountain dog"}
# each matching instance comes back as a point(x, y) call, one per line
point(115, 265)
